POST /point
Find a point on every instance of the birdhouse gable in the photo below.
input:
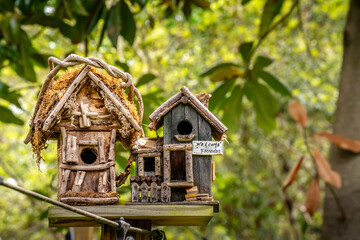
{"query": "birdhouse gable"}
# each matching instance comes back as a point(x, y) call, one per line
point(183, 130)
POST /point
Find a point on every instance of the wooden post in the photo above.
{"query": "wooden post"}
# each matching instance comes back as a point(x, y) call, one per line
point(165, 192)
point(141, 166)
point(134, 192)
point(144, 192)
point(154, 192)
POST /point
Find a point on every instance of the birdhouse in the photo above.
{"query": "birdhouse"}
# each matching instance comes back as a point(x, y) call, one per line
point(87, 111)
point(178, 167)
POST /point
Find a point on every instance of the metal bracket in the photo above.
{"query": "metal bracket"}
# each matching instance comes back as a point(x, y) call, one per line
point(122, 229)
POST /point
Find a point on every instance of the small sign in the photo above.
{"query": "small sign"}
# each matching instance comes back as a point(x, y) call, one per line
point(207, 147)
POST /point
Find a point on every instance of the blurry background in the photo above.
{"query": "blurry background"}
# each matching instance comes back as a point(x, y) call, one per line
point(252, 56)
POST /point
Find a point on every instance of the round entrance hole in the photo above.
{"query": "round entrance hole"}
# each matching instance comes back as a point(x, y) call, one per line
point(184, 127)
point(88, 155)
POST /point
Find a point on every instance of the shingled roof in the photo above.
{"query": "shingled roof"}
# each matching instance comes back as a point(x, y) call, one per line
point(186, 97)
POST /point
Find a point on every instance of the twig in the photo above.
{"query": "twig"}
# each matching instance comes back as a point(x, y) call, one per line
point(265, 34)
point(334, 194)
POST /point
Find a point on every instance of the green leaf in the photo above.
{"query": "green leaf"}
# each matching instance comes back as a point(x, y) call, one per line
point(105, 26)
point(218, 67)
point(275, 83)
point(24, 6)
point(244, 2)
point(202, 3)
point(114, 23)
point(233, 109)
point(28, 72)
point(271, 9)
point(7, 116)
point(7, 6)
point(123, 65)
point(218, 96)
point(10, 96)
point(245, 49)
point(128, 29)
point(262, 62)
point(265, 105)
point(79, 8)
point(146, 78)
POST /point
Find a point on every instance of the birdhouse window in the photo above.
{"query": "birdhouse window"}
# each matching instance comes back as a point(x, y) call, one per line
point(184, 127)
point(149, 164)
point(88, 155)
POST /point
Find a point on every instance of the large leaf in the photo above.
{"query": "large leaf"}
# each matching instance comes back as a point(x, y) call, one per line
point(262, 62)
point(144, 79)
point(218, 96)
point(324, 169)
point(128, 26)
point(221, 66)
point(202, 3)
point(7, 116)
point(313, 197)
point(291, 177)
point(245, 50)
point(265, 105)
point(28, 72)
point(275, 83)
point(271, 9)
point(233, 109)
point(114, 23)
point(298, 112)
point(341, 141)
point(8, 95)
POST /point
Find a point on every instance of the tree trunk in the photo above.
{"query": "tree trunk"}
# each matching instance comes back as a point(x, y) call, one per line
point(346, 123)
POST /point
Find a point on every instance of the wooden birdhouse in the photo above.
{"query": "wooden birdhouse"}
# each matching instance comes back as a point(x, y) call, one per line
point(87, 111)
point(178, 167)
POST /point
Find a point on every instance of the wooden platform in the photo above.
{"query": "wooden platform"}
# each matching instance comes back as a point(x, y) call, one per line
point(184, 214)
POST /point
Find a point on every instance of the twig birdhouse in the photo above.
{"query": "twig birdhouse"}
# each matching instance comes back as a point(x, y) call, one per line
point(86, 110)
point(178, 167)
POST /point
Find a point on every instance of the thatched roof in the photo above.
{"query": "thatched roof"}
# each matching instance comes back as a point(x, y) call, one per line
point(55, 94)
point(185, 96)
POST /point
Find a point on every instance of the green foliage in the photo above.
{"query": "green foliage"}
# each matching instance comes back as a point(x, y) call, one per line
point(177, 43)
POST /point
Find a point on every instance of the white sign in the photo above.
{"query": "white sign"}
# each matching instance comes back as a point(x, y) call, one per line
point(207, 148)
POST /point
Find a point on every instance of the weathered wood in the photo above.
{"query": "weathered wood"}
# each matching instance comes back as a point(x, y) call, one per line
point(215, 204)
point(167, 166)
point(177, 166)
point(165, 192)
point(107, 232)
point(85, 120)
point(112, 146)
point(88, 142)
point(150, 154)
point(144, 192)
point(63, 147)
point(154, 192)
point(97, 167)
point(213, 177)
point(64, 181)
point(189, 166)
point(192, 116)
point(173, 214)
point(118, 104)
point(177, 147)
point(180, 184)
point(157, 166)
point(204, 112)
point(134, 192)
point(103, 179)
point(71, 150)
point(101, 150)
point(202, 164)
point(177, 115)
point(167, 128)
point(141, 166)
point(102, 201)
point(164, 108)
point(81, 76)
point(79, 179)
point(112, 179)
point(185, 138)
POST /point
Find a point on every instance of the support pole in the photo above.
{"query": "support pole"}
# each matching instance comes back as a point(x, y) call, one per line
point(70, 208)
